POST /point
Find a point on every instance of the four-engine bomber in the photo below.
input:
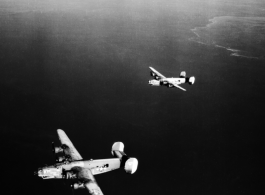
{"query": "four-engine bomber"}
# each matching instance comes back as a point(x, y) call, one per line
point(71, 166)
point(170, 82)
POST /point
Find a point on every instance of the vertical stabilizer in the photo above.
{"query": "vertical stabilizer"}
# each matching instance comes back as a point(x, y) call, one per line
point(117, 149)
point(182, 74)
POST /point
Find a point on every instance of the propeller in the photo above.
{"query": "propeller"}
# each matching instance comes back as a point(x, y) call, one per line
point(72, 188)
point(53, 147)
point(53, 151)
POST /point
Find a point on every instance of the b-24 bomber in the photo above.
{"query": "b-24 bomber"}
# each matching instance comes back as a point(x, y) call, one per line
point(161, 80)
point(71, 166)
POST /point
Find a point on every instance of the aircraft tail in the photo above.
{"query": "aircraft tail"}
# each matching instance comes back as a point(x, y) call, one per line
point(190, 80)
point(130, 164)
point(117, 150)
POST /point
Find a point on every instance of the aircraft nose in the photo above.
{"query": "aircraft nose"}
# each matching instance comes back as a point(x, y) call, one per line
point(38, 173)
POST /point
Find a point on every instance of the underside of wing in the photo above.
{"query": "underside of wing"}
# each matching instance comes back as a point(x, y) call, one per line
point(155, 74)
point(68, 147)
point(87, 178)
point(179, 87)
point(93, 188)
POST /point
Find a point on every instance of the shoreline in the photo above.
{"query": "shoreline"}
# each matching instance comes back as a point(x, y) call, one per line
point(212, 21)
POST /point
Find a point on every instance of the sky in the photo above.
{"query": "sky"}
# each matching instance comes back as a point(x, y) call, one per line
point(83, 66)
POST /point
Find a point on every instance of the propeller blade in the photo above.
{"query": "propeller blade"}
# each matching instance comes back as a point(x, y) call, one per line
point(53, 147)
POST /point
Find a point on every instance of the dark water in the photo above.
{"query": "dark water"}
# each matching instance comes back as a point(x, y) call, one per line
point(83, 67)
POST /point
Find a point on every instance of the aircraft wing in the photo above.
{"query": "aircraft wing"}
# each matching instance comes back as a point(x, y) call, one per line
point(68, 147)
point(157, 73)
point(90, 182)
point(93, 188)
point(178, 86)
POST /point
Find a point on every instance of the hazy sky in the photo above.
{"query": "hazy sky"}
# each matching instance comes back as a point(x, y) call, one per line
point(82, 66)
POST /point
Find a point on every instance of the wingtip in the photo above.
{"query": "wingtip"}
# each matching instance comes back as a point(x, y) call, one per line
point(60, 130)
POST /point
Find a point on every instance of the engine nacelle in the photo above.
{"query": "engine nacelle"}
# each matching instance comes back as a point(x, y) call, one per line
point(78, 186)
point(60, 159)
point(56, 149)
point(68, 175)
point(131, 165)
point(170, 85)
point(154, 83)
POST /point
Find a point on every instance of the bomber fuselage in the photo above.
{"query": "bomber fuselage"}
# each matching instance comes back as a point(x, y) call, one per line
point(167, 81)
point(56, 171)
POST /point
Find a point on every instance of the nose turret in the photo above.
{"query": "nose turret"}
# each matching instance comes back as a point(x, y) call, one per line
point(154, 82)
point(49, 172)
point(39, 173)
